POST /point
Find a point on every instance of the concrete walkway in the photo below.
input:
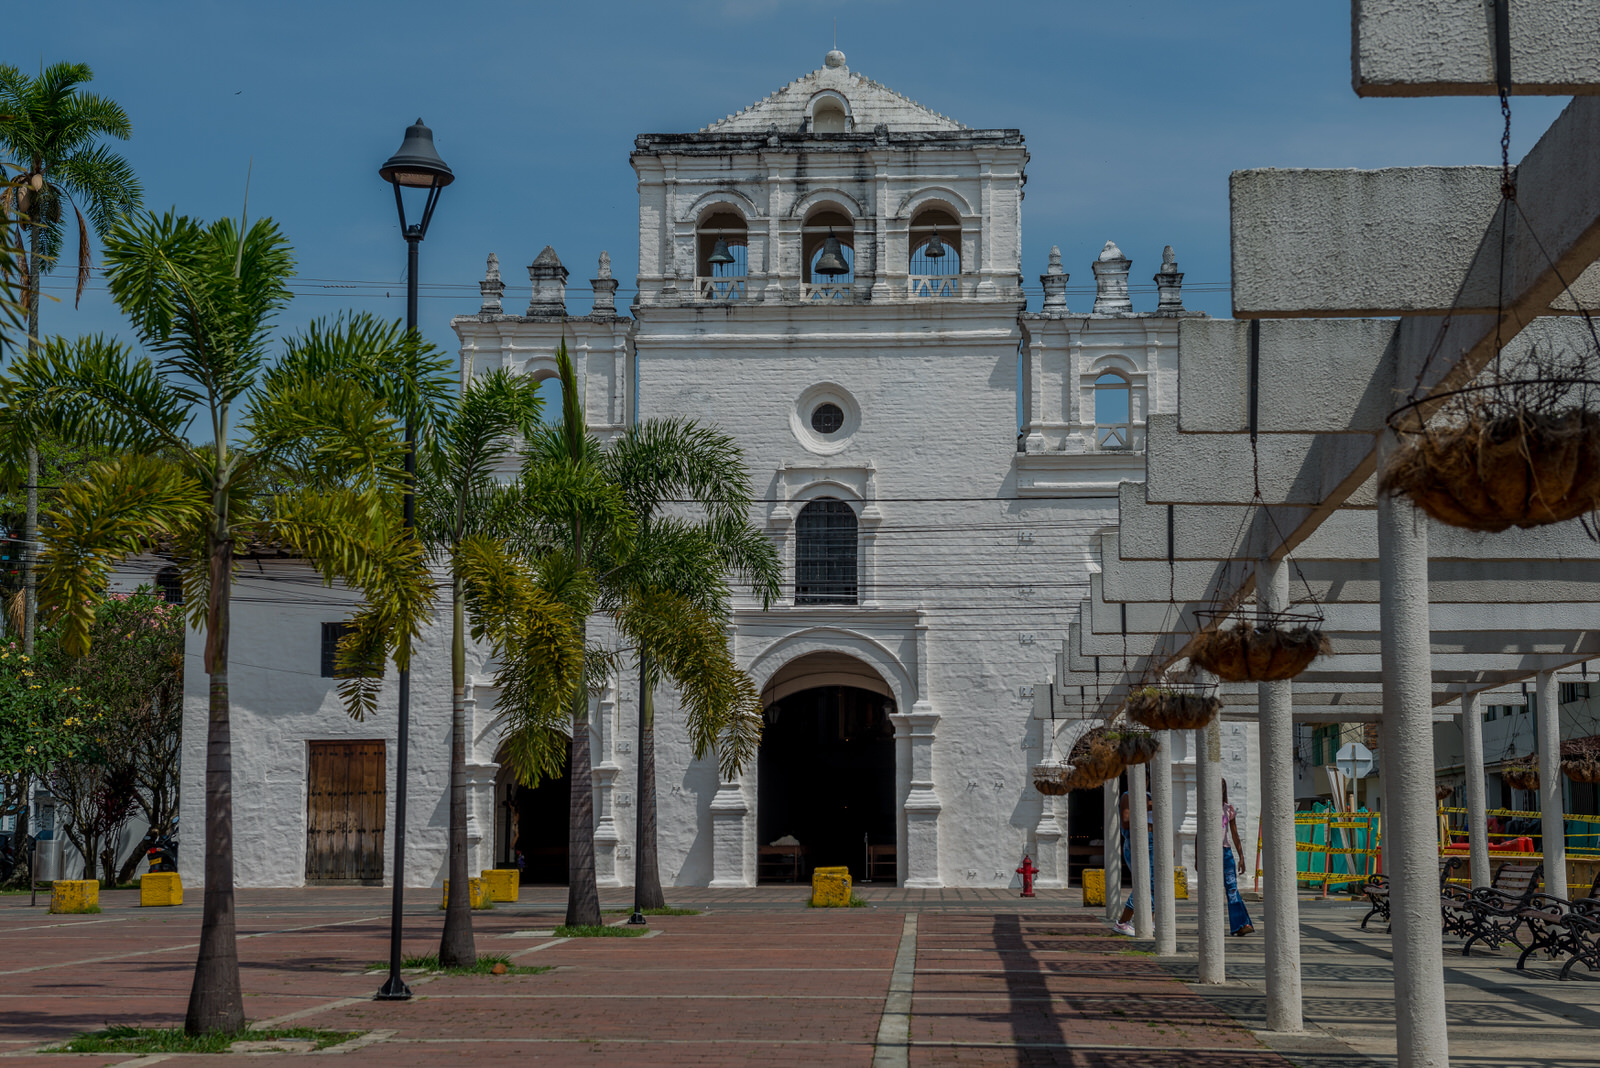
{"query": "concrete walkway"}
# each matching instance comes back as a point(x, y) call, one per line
point(965, 977)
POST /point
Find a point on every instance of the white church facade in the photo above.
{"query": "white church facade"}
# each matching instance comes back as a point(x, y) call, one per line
point(832, 276)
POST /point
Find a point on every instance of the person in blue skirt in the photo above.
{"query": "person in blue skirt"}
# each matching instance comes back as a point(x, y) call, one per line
point(1238, 916)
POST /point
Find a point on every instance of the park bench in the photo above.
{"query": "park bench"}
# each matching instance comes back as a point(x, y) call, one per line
point(1376, 888)
point(1492, 914)
point(1545, 918)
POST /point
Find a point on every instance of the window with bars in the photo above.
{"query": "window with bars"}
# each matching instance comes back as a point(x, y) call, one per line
point(825, 553)
point(1574, 691)
point(169, 584)
point(332, 635)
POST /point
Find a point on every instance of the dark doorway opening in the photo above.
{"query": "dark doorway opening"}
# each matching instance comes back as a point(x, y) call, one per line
point(539, 830)
point(1086, 828)
point(826, 771)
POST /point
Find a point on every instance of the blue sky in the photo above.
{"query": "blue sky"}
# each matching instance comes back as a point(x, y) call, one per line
point(1134, 114)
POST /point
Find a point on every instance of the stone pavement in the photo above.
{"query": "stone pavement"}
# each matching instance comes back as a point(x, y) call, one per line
point(992, 980)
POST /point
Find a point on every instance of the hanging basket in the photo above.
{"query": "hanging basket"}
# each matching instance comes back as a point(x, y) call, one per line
point(1136, 746)
point(1501, 454)
point(1172, 708)
point(1277, 647)
point(1581, 769)
point(1052, 777)
point(1521, 774)
point(1096, 758)
point(1442, 793)
point(1580, 759)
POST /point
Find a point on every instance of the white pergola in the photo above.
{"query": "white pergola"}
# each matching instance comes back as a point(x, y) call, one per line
point(1292, 398)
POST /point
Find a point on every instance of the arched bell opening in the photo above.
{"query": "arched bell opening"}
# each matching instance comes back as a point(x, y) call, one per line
point(826, 793)
point(935, 264)
point(827, 249)
point(722, 250)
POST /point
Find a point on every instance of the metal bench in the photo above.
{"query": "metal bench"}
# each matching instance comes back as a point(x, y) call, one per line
point(1376, 888)
point(1492, 915)
point(1545, 918)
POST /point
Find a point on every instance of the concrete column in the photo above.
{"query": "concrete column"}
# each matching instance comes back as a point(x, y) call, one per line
point(1166, 916)
point(1213, 912)
point(1280, 892)
point(1112, 836)
point(1139, 852)
point(1406, 737)
point(1477, 806)
point(1550, 782)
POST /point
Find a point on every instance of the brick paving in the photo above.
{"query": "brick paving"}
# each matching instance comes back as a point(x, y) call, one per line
point(757, 978)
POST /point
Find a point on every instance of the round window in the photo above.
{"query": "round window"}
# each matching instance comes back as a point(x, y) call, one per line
point(827, 418)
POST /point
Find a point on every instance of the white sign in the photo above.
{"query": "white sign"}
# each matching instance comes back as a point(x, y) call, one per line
point(1354, 760)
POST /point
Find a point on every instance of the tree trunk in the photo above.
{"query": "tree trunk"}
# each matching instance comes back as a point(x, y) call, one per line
point(456, 947)
point(583, 895)
point(125, 873)
point(21, 854)
point(647, 870)
point(30, 522)
point(215, 1001)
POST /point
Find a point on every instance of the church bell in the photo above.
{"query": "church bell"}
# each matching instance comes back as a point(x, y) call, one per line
point(831, 262)
point(720, 254)
point(935, 247)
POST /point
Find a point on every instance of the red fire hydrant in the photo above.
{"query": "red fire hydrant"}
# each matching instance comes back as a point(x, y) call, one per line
point(1027, 871)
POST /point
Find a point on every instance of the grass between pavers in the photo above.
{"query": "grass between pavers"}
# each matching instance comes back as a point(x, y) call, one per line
point(665, 910)
point(597, 930)
point(76, 912)
point(174, 1040)
point(856, 902)
point(486, 961)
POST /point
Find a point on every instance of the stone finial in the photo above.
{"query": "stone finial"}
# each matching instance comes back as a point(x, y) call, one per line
point(549, 280)
point(605, 289)
point(491, 288)
point(1111, 281)
point(1169, 283)
point(833, 60)
point(1054, 281)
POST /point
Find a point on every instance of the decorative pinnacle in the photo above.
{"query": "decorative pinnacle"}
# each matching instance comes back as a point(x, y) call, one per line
point(491, 288)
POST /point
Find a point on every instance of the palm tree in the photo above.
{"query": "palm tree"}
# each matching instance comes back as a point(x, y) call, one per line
point(314, 464)
point(52, 132)
point(656, 463)
point(579, 542)
point(463, 498)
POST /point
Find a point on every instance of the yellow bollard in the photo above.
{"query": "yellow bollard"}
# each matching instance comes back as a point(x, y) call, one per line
point(1094, 886)
point(502, 883)
point(75, 895)
point(477, 895)
point(830, 888)
point(160, 888)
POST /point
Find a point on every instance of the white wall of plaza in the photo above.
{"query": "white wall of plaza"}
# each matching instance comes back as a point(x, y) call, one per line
point(975, 540)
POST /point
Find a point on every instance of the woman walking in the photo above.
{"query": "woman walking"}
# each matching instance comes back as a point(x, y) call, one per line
point(1238, 915)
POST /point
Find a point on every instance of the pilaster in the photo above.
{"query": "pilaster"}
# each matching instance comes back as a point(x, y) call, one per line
point(729, 811)
point(922, 805)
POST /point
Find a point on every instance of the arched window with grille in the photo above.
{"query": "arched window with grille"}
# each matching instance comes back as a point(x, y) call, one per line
point(935, 267)
point(169, 585)
point(1113, 412)
point(825, 553)
point(722, 256)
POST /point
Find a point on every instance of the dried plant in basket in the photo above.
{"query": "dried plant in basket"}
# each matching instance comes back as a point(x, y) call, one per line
point(1518, 448)
point(1096, 756)
point(1053, 777)
point(1250, 653)
point(1521, 774)
point(1580, 759)
point(1136, 746)
point(1164, 708)
point(1442, 793)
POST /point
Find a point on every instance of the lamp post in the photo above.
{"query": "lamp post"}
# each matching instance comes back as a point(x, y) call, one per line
point(416, 165)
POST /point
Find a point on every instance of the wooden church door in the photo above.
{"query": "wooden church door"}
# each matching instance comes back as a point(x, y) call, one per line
point(346, 812)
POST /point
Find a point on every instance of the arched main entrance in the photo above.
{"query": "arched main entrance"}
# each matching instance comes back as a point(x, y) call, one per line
point(826, 772)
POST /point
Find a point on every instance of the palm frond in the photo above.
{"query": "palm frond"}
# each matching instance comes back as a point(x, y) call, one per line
point(722, 708)
point(93, 391)
point(537, 639)
point(121, 507)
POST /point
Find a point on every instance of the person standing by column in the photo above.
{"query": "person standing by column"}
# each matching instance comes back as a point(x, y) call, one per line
point(1124, 924)
point(1238, 916)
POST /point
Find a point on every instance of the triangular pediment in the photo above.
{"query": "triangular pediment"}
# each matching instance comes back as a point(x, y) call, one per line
point(870, 104)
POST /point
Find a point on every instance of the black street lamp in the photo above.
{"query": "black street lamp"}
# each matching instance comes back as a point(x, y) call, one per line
point(416, 165)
